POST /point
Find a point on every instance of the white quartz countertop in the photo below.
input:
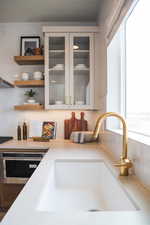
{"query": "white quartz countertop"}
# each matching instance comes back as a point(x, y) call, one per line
point(29, 144)
point(24, 210)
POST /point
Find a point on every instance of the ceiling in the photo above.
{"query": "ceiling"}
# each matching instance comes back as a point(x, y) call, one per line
point(49, 10)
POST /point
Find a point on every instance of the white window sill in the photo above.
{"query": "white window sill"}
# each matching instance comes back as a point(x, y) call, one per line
point(133, 136)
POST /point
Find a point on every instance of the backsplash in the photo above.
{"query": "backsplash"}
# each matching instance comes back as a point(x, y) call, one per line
point(138, 152)
point(9, 119)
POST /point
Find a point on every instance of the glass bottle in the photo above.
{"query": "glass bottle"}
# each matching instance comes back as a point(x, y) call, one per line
point(24, 131)
point(19, 132)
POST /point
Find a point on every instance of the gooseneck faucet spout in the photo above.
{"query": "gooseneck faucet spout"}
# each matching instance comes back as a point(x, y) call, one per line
point(124, 163)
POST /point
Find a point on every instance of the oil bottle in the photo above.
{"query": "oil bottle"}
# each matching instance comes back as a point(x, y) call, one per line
point(24, 131)
point(19, 132)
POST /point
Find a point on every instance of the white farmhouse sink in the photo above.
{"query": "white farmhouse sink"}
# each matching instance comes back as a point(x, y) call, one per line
point(83, 185)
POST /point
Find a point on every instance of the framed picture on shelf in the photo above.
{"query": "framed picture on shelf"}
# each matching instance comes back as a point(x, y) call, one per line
point(28, 44)
point(49, 129)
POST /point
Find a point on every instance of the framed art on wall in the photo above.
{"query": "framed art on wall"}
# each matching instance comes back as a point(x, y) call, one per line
point(28, 44)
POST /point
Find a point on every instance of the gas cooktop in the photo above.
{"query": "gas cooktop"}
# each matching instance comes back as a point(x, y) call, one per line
point(4, 139)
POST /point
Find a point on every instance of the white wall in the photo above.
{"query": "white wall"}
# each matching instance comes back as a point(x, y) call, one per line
point(138, 152)
point(114, 78)
point(9, 47)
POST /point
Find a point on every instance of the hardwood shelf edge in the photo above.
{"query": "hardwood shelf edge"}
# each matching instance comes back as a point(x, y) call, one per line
point(29, 107)
point(29, 83)
point(29, 60)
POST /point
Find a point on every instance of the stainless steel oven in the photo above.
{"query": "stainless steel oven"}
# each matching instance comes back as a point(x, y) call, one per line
point(18, 167)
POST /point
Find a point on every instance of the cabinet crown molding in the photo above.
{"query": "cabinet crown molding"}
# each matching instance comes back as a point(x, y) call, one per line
point(68, 29)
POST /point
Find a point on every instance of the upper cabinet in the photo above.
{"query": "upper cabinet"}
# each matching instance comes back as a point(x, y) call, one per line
point(70, 69)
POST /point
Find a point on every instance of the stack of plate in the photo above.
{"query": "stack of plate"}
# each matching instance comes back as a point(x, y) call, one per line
point(81, 67)
point(58, 67)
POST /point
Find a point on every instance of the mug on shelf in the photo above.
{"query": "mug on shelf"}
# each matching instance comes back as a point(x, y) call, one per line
point(25, 76)
point(37, 75)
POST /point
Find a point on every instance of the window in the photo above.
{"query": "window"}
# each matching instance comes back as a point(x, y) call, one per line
point(137, 61)
point(128, 66)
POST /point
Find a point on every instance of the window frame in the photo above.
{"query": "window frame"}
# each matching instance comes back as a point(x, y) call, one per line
point(123, 84)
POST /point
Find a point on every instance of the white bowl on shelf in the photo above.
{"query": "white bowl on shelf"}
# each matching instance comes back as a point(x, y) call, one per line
point(59, 67)
point(31, 100)
point(58, 102)
point(80, 67)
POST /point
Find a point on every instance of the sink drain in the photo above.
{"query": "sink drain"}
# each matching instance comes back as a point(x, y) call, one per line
point(94, 210)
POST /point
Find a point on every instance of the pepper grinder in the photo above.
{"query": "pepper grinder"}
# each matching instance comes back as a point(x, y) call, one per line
point(19, 132)
point(24, 131)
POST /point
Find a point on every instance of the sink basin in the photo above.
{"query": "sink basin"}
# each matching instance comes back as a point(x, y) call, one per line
point(83, 185)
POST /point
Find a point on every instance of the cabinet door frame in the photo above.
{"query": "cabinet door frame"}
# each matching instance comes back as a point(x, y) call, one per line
point(91, 72)
point(46, 68)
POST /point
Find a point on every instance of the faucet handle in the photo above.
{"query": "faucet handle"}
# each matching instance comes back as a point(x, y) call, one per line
point(124, 163)
point(124, 166)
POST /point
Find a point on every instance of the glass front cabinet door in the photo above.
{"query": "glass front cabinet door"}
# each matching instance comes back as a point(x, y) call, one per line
point(69, 70)
point(56, 70)
point(81, 69)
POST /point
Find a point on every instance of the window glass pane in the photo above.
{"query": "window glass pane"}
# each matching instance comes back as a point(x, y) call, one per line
point(81, 72)
point(56, 70)
point(138, 68)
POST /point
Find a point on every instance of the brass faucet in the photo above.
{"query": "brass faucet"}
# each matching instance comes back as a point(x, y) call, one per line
point(124, 163)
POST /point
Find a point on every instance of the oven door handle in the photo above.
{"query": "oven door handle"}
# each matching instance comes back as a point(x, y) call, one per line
point(22, 159)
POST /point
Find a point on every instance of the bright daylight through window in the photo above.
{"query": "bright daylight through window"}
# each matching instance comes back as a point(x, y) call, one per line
point(138, 68)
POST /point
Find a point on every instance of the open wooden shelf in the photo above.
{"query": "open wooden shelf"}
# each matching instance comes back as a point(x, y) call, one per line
point(29, 60)
point(29, 83)
point(29, 107)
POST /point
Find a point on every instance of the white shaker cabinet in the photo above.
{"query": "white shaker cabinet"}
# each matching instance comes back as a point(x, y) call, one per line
point(70, 65)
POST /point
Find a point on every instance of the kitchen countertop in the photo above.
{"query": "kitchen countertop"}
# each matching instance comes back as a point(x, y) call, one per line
point(24, 209)
point(24, 145)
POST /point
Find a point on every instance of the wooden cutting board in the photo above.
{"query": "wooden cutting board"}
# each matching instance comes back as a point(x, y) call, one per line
point(83, 124)
point(74, 124)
